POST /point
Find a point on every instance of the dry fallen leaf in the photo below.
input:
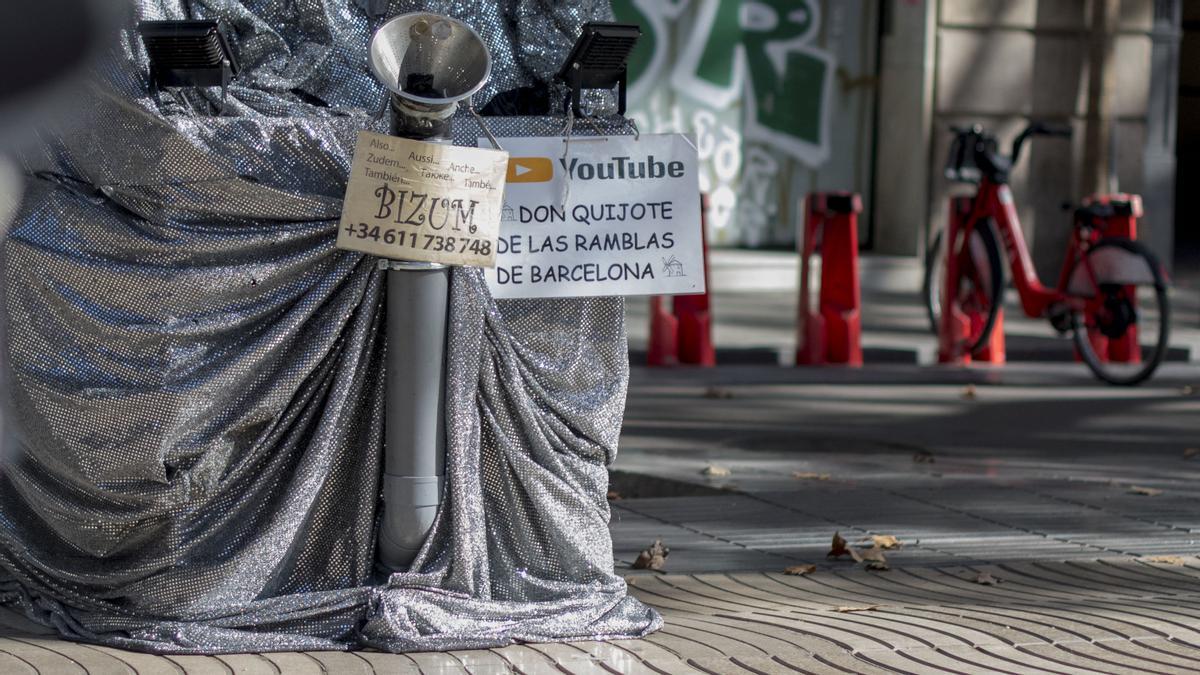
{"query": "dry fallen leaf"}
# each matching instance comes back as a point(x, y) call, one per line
point(1165, 559)
point(884, 541)
point(718, 393)
point(871, 558)
point(923, 457)
point(800, 570)
point(715, 471)
point(1187, 390)
point(613, 495)
point(1189, 453)
point(838, 548)
point(1145, 491)
point(968, 393)
point(809, 475)
point(986, 579)
point(864, 608)
point(653, 558)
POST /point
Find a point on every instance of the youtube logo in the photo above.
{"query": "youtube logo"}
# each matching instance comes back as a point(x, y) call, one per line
point(530, 170)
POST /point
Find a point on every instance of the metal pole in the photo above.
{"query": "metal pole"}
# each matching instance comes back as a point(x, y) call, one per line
point(414, 466)
point(415, 430)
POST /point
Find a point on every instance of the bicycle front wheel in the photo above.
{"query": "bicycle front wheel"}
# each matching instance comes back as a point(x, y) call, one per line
point(978, 291)
point(1123, 331)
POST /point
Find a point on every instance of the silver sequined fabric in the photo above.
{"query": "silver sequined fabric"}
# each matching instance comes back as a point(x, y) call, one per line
point(196, 371)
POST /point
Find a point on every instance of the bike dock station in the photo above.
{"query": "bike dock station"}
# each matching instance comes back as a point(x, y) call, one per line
point(833, 333)
point(1119, 219)
point(682, 334)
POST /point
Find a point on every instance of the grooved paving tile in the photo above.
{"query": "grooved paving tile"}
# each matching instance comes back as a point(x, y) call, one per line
point(43, 657)
point(1144, 583)
point(342, 662)
point(430, 662)
point(680, 642)
point(738, 638)
point(528, 660)
point(911, 661)
point(250, 664)
point(1105, 660)
point(611, 657)
point(970, 629)
point(566, 657)
point(1147, 651)
point(90, 660)
point(1170, 646)
point(294, 663)
point(14, 665)
point(474, 661)
point(1108, 616)
point(201, 665)
point(1020, 661)
point(382, 662)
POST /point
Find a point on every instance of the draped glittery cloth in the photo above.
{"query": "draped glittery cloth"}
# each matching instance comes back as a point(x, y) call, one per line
point(196, 372)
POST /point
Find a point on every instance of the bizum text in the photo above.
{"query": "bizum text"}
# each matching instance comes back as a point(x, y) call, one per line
point(405, 207)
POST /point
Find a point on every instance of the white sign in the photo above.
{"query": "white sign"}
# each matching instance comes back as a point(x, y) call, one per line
point(412, 200)
point(599, 216)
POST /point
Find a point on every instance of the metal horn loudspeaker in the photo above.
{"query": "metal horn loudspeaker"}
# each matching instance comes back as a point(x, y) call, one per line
point(429, 62)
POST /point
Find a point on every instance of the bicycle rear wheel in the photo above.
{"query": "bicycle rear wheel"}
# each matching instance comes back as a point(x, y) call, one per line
point(1124, 330)
point(979, 289)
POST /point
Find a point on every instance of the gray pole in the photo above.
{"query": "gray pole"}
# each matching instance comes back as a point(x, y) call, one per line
point(1101, 92)
point(442, 61)
point(414, 463)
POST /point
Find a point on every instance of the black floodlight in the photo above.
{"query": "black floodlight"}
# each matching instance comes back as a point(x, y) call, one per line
point(600, 60)
point(188, 54)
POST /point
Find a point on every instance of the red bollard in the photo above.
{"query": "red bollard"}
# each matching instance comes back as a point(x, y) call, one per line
point(957, 325)
point(695, 320)
point(833, 334)
point(1127, 209)
point(683, 335)
point(663, 346)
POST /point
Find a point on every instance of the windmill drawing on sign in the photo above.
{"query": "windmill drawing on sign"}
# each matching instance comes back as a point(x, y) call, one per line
point(672, 267)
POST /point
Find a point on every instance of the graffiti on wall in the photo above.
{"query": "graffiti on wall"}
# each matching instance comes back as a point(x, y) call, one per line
point(747, 79)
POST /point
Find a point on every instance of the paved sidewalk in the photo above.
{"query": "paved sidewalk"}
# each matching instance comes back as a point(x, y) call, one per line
point(1107, 616)
point(1080, 501)
point(963, 465)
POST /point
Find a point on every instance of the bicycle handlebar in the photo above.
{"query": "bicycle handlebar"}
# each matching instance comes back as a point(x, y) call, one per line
point(1037, 129)
point(977, 143)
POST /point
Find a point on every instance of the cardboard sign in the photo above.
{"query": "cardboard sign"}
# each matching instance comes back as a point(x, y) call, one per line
point(412, 200)
point(600, 216)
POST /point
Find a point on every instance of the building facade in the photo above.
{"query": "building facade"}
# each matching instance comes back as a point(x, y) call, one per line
point(788, 96)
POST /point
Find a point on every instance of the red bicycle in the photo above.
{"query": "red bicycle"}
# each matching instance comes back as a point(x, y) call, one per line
point(1111, 294)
